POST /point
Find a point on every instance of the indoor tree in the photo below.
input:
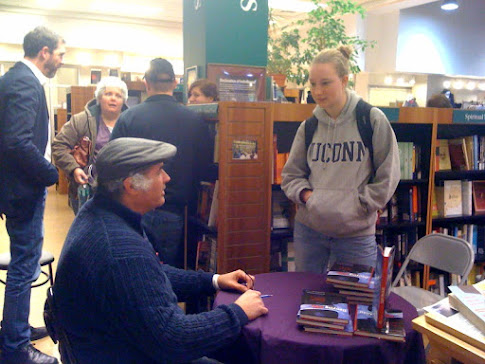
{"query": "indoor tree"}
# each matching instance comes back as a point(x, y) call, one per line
point(293, 49)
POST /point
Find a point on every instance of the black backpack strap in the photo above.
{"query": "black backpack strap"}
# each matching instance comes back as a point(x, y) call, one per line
point(310, 127)
point(362, 114)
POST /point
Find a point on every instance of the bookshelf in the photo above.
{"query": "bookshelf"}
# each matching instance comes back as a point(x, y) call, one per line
point(244, 228)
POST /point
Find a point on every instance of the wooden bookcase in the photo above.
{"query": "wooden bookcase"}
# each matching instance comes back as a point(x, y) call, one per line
point(244, 224)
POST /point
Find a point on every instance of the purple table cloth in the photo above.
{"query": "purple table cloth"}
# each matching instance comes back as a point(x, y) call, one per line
point(275, 338)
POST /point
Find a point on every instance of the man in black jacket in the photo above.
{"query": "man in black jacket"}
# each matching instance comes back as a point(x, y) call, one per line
point(161, 118)
point(26, 171)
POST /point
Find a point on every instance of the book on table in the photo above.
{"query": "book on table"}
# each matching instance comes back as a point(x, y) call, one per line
point(470, 301)
point(324, 307)
point(446, 318)
point(350, 275)
point(365, 325)
point(383, 280)
point(324, 312)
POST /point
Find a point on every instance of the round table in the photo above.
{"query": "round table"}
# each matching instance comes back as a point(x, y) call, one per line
point(276, 338)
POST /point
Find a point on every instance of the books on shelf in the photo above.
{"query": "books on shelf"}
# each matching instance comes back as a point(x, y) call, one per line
point(444, 317)
point(467, 198)
point(458, 154)
point(206, 258)
point(207, 204)
point(470, 301)
point(479, 197)
point(409, 154)
point(365, 325)
point(350, 275)
point(449, 199)
point(443, 154)
point(383, 280)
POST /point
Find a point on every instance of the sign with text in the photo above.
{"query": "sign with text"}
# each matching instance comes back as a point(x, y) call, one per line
point(469, 116)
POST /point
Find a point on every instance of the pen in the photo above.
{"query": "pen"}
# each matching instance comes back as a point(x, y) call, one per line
point(266, 295)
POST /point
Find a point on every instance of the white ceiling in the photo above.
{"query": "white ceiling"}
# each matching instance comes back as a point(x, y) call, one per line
point(161, 11)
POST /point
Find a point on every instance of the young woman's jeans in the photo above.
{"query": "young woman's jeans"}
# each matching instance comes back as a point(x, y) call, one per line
point(26, 239)
point(315, 252)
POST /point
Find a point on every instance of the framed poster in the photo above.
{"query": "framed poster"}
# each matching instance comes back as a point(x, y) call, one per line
point(191, 75)
point(238, 82)
point(95, 76)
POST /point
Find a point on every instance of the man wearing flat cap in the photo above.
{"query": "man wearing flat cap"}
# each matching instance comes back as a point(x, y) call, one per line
point(116, 302)
point(162, 118)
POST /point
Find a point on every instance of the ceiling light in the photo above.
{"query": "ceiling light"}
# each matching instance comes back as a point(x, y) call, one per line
point(412, 81)
point(481, 86)
point(449, 5)
point(458, 85)
point(446, 84)
point(470, 85)
point(400, 81)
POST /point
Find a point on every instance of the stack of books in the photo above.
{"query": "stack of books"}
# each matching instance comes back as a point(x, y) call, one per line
point(324, 312)
point(460, 314)
point(354, 281)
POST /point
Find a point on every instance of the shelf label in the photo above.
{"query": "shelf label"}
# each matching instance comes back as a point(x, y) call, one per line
point(468, 116)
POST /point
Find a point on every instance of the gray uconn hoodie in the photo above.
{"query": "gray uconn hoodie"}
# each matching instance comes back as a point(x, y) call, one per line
point(338, 169)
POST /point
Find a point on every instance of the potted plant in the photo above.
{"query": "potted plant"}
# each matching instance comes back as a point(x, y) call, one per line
point(295, 46)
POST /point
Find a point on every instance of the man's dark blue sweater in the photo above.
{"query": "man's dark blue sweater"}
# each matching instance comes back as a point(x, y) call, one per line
point(118, 303)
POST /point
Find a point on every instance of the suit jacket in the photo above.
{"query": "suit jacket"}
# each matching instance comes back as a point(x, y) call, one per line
point(24, 122)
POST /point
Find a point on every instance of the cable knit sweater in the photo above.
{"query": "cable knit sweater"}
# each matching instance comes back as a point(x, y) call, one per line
point(118, 303)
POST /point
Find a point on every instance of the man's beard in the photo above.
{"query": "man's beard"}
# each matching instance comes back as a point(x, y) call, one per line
point(50, 68)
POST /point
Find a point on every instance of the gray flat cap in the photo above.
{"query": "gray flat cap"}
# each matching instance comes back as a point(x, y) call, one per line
point(122, 156)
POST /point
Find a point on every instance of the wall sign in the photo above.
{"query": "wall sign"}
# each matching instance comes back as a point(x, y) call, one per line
point(249, 5)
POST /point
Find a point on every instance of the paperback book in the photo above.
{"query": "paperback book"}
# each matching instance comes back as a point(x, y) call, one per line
point(446, 318)
point(365, 325)
point(470, 301)
point(383, 280)
point(324, 307)
point(351, 275)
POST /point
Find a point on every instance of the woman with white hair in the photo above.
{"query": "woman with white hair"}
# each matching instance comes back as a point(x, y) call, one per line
point(96, 122)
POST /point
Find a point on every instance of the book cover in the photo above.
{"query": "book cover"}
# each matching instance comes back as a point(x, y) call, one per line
point(365, 325)
point(353, 275)
point(469, 146)
point(323, 307)
point(444, 317)
point(449, 199)
point(467, 198)
point(479, 197)
point(444, 162)
point(383, 279)
point(470, 301)
point(458, 155)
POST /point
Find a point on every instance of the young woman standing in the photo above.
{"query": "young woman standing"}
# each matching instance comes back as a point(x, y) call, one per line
point(335, 184)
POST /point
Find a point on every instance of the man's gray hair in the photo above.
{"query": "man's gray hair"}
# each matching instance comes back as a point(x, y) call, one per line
point(115, 187)
point(110, 81)
point(39, 38)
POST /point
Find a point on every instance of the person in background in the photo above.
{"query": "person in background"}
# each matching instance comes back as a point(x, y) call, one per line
point(203, 92)
point(161, 118)
point(335, 184)
point(96, 122)
point(439, 100)
point(115, 300)
point(26, 171)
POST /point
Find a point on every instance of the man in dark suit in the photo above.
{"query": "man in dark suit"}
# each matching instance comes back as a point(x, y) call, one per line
point(161, 118)
point(26, 171)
